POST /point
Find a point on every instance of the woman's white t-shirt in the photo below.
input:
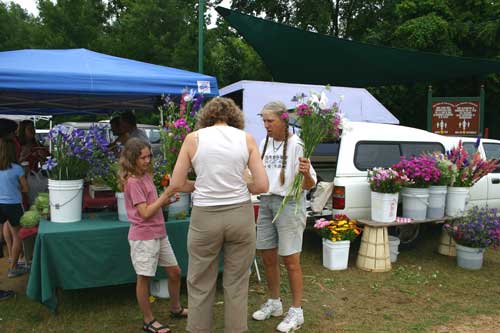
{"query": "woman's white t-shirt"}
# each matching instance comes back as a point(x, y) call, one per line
point(273, 161)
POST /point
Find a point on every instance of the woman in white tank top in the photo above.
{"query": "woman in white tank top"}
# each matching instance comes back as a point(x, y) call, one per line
point(222, 216)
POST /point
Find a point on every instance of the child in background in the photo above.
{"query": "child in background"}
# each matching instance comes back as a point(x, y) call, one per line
point(149, 244)
point(12, 182)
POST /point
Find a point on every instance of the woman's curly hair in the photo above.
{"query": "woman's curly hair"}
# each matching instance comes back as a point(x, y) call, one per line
point(220, 109)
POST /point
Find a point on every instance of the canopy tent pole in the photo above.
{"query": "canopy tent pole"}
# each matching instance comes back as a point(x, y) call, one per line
point(201, 22)
point(161, 116)
point(50, 141)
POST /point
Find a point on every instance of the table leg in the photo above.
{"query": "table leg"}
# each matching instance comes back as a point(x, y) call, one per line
point(374, 255)
point(447, 245)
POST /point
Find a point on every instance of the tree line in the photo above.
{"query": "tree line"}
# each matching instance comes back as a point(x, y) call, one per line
point(165, 32)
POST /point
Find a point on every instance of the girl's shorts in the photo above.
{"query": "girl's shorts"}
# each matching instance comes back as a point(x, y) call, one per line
point(146, 255)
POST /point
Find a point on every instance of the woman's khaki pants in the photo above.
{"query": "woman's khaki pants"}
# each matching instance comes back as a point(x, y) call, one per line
point(213, 230)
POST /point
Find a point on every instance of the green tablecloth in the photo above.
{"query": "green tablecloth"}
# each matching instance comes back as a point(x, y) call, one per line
point(91, 253)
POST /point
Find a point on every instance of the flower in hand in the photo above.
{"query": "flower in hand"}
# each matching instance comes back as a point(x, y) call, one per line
point(165, 180)
point(304, 165)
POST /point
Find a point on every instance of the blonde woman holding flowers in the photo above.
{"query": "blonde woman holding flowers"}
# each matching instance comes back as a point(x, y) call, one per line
point(282, 154)
point(222, 218)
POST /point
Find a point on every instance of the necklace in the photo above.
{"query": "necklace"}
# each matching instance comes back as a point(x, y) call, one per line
point(275, 149)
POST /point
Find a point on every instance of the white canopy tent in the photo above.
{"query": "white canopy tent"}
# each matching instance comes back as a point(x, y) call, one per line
point(34, 118)
point(357, 104)
point(19, 118)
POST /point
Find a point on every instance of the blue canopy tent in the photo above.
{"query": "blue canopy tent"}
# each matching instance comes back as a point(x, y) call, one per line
point(79, 81)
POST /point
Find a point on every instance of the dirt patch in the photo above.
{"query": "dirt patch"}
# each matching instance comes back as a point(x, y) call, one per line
point(479, 324)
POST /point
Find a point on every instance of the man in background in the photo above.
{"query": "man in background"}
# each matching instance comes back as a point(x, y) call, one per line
point(128, 124)
point(118, 132)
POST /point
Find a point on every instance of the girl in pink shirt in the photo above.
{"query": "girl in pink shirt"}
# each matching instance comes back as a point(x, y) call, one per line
point(149, 244)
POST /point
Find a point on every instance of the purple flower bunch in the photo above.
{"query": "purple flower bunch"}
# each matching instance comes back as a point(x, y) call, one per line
point(384, 180)
point(421, 170)
point(180, 119)
point(74, 151)
point(478, 228)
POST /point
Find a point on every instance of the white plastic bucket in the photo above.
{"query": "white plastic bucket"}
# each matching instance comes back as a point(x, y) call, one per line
point(469, 257)
point(456, 200)
point(65, 200)
point(180, 210)
point(120, 202)
point(437, 202)
point(415, 201)
point(335, 254)
point(393, 248)
point(384, 206)
point(159, 288)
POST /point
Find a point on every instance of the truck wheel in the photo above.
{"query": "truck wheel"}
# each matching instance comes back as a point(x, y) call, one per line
point(407, 234)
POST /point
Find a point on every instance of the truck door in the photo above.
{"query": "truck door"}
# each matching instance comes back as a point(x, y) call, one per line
point(492, 150)
point(478, 195)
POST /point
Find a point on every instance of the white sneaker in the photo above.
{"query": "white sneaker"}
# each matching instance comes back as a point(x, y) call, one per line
point(294, 318)
point(271, 308)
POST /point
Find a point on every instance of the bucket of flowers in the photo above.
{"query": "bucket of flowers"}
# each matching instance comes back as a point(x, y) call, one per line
point(385, 184)
point(439, 187)
point(473, 233)
point(470, 169)
point(180, 119)
point(337, 235)
point(421, 171)
point(73, 152)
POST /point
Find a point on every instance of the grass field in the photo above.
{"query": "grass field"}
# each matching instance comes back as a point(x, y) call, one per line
point(424, 292)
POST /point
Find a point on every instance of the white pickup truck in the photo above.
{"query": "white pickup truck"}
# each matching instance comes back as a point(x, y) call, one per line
point(367, 145)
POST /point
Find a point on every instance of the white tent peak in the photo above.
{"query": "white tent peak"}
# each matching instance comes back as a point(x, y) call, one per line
point(357, 104)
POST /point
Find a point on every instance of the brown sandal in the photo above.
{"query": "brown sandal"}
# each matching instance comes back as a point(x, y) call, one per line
point(179, 314)
point(153, 329)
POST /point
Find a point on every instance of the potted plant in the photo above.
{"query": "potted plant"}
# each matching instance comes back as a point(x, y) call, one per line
point(180, 120)
point(473, 233)
point(385, 185)
point(73, 151)
point(421, 171)
point(337, 235)
point(469, 171)
point(112, 179)
point(438, 188)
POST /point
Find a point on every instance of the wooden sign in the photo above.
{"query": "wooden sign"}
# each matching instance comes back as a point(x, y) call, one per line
point(461, 118)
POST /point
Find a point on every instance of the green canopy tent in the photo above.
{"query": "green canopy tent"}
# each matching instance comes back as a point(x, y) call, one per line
point(297, 56)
